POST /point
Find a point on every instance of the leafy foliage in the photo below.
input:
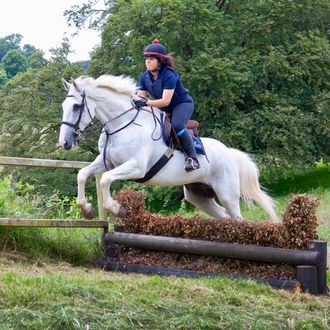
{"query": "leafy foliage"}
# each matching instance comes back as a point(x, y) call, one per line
point(30, 115)
point(3, 76)
point(18, 199)
point(14, 62)
point(10, 201)
point(257, 70)
point(11, 42)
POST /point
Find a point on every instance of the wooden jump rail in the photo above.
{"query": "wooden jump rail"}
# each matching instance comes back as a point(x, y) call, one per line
point(310, 264)
point(57, 223)
point(16, 161)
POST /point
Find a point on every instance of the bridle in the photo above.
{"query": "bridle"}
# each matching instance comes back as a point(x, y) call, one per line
point(81, 106)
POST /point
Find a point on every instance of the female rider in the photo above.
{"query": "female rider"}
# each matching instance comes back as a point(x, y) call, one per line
point(163, 83)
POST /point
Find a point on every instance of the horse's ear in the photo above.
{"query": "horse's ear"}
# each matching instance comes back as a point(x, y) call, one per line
point(66, 85)
point(75, 85)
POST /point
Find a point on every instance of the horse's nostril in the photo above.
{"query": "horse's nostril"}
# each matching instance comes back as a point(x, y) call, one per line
point(66, 146)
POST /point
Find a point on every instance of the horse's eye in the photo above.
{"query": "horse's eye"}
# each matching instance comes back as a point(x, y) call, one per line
point(76, 107)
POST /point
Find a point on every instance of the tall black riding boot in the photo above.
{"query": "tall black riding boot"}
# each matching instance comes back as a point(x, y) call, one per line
point(191, 162)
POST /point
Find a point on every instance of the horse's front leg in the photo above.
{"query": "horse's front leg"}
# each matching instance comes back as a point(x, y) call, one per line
point(129, 170)
point(96, 167)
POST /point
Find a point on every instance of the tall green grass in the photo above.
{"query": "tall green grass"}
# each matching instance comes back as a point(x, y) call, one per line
point(292, 180)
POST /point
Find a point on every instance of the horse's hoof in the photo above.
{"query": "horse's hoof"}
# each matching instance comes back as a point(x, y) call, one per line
point(88, 212)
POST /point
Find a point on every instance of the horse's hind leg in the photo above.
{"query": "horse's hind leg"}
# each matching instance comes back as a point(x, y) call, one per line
point(229, 196)
point(206, 204)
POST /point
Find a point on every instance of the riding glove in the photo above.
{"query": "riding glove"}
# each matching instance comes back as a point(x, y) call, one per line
point(141, 102)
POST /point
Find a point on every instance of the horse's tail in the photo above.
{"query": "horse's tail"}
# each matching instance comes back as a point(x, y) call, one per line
point(249, 183)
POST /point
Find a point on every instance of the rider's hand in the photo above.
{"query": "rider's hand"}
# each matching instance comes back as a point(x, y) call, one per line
point(141, 102)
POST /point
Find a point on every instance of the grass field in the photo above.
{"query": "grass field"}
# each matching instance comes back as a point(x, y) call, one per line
point(45, 296)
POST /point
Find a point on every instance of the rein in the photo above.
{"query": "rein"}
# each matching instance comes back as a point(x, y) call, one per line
point(108, 134)
point(119, 129)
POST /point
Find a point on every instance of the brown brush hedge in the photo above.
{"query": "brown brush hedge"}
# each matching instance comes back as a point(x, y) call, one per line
point(299, 225)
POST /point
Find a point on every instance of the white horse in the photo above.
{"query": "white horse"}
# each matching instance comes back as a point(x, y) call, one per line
point(132, 148)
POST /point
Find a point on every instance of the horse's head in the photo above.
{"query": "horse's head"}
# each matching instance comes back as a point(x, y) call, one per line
point(78, 113)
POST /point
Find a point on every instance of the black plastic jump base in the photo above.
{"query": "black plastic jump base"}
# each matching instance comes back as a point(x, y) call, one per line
point(310, 263)
point(162, 271)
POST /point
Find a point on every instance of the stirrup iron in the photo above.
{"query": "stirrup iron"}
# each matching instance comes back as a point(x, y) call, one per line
point(191, 164)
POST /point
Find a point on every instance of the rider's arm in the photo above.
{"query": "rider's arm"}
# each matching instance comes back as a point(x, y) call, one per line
point(141, 93)
point(164, 101)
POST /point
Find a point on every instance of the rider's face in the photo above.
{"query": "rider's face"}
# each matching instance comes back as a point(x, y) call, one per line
point(151, 63)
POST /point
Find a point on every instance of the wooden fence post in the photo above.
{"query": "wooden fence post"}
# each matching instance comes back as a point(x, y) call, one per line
point(307, 276)
point(321, 247)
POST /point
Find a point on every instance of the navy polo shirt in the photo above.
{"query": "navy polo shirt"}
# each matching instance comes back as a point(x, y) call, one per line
point(167, 79)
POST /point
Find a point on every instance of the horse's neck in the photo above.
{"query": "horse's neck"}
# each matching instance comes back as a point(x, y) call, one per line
point(117, 112)
point(112, 112)
point(149, 117)
point(144, 132)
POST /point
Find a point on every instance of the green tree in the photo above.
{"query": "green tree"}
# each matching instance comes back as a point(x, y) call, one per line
point(30, 111)
point(30, 115)
point(61, 53)
point(34, 56)
point(37, 60)
point(28, 50)
point(10, 42)
point(14, 62)
point(3, 76)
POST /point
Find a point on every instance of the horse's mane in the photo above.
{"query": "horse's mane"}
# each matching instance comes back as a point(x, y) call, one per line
point(121, 84)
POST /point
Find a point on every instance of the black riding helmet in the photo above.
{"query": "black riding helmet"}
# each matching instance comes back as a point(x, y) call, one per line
point(155, 50)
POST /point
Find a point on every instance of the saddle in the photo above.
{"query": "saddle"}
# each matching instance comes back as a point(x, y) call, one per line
point(191, 126)
point(171, 139)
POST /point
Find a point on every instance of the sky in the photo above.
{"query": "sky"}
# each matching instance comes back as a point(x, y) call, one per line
point(42, 24)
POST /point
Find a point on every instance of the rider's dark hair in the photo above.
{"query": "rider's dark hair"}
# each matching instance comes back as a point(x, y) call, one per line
point(168, 61)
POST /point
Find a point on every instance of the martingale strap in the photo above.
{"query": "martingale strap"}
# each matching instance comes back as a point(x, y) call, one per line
point(162, 161)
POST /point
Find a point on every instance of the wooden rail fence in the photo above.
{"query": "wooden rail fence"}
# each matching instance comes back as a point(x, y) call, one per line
point(55, 223)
